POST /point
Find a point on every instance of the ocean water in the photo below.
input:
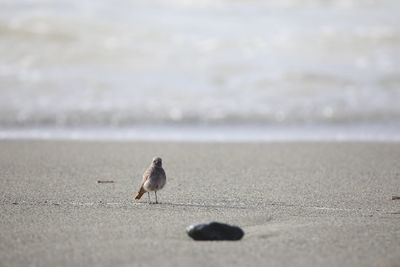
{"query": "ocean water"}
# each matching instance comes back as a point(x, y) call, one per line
point(185, 69)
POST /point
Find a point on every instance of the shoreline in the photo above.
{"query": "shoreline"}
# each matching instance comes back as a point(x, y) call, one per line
point(253, 133)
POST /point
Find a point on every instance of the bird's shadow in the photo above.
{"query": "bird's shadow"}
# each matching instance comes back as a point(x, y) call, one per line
point(195, 205)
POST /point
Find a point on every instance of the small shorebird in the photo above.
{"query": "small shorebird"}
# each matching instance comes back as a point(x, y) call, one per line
point(154, 179)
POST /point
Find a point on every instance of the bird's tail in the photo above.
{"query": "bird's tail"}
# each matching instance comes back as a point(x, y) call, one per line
point(140, 193)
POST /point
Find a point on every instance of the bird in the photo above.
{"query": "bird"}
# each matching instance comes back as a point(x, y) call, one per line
point(154, 179)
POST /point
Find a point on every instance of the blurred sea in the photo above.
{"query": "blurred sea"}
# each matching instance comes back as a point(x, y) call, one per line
point(200, 70)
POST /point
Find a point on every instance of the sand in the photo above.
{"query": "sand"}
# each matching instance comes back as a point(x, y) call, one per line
point(300, 204)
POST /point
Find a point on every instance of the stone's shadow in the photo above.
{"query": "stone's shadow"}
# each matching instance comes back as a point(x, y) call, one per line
point(264, 236)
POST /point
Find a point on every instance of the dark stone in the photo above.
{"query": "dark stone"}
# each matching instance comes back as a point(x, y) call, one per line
point(214, 231)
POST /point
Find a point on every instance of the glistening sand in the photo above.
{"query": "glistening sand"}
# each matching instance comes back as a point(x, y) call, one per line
point(300, 204)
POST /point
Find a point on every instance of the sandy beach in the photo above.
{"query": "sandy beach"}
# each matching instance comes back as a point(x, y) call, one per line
point(300, 204)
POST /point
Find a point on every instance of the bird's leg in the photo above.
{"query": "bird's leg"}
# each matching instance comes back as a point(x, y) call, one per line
point(155, 192)
point(148, 196)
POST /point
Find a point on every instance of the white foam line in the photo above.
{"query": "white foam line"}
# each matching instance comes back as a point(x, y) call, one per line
point(380, 133)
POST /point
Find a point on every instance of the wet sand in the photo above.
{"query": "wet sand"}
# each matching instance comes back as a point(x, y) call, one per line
point(300, 204)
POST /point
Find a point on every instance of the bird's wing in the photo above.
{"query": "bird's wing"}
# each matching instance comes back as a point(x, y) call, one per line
point(141, 191)
point(146, 176)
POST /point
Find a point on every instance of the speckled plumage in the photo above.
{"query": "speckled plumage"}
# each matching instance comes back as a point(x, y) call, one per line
point(154, 179)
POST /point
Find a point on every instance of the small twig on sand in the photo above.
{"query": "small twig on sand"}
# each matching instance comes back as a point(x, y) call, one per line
point(105, 182)
point(395, 197)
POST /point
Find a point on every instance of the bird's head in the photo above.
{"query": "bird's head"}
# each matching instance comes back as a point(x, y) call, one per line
point(157, 162)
